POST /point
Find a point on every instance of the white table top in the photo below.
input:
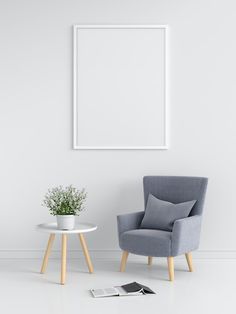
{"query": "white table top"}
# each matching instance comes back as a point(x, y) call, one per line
point(79, 228)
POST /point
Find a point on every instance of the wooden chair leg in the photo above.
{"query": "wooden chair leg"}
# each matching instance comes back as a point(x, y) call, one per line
point(170, 261)
point(189, 261)
point(149, 260)
point(63, 258)
point(47, 253)
point(123, 261)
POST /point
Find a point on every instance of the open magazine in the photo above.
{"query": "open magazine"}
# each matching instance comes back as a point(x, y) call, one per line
point(133, 288)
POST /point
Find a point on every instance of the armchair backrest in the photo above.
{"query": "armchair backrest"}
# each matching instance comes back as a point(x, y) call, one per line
point(177, 190)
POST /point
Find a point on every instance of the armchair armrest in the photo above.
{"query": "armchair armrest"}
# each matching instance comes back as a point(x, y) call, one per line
point(128, 222)
point(186, 235)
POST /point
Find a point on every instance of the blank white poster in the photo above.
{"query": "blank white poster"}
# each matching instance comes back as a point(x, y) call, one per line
point(119, 87)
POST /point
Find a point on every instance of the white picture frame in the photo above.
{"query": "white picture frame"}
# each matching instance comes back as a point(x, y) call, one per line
point(87, 40)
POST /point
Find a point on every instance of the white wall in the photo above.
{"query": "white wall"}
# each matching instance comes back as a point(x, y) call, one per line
point(36, 117)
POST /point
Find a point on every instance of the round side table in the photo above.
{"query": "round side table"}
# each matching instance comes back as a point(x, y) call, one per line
point(79, 229)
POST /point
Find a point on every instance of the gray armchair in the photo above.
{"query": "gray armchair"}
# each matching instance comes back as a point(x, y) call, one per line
point(184, 237)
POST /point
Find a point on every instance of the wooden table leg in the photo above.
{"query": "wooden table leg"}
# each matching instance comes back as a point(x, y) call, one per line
point(86, 253)
point(63, 258)
point(47, 253)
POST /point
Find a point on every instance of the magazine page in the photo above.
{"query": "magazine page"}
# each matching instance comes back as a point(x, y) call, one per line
point(123, 292)
point(106, 292)
point(132, 287)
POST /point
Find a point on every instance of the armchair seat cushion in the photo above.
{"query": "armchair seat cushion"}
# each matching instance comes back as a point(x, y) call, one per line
point(147, 242)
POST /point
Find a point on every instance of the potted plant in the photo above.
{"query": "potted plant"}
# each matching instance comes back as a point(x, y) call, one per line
point(65, 204)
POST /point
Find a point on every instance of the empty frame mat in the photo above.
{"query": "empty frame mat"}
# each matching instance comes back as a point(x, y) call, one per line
point(119, 87)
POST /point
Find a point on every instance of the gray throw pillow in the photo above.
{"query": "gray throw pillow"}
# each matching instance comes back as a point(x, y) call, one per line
point(162, 215)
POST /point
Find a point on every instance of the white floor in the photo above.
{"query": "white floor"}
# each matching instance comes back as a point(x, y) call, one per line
point(210, 289)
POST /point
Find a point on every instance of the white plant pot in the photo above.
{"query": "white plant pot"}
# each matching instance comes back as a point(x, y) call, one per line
point(65, 222)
